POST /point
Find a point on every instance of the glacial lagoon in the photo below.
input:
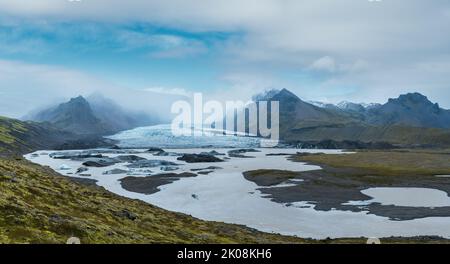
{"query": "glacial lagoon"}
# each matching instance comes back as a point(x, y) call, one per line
point(223, 194)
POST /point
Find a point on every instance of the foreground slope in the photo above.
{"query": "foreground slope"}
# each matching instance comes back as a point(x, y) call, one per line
point(38, 205)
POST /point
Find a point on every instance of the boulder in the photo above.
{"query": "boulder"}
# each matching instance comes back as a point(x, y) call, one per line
point(100, 162)
point(153, 149)
point(126, 214)
point(81, 170)
point(74, 155)
point(161, 153)
point(207, 168)
point(150, 184)
point(198, 158)
point(239, 153)
point(129, 158)
point(214, 153)
point(150, 164)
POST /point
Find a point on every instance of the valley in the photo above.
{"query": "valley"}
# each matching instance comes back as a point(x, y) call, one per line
point(276, 191)
point(146, 186)
point(246, 124)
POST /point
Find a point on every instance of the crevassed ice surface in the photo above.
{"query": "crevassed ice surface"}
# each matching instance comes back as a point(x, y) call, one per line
point(162, 136)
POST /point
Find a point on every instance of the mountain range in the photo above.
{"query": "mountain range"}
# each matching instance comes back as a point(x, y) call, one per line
point(409, 119)
point(412, 109)
point(95, 115)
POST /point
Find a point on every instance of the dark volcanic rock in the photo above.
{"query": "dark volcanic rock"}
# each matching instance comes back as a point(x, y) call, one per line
point(208, 168)
point(239, 153)
point(332, 188)
point(99, 162)
point(166, 154)
point(150, 164)
point(155, 150)
point(126, 214)
point(197, 158)
point(213, 153)
point(129, 158)
point(81, 170)
point(161, 154)
point(86, 182)
point(204, 172)
point(74, 155)
point(150, 184)
point(267, 178)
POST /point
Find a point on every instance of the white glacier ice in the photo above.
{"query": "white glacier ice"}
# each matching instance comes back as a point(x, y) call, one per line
point(161, 136)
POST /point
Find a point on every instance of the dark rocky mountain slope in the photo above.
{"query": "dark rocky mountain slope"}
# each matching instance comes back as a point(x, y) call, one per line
point(413, 109)
point(18, 137)
point(96, 116)
point(409, 120)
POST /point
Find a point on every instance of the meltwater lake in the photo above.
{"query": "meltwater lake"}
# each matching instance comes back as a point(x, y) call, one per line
point(218, 191)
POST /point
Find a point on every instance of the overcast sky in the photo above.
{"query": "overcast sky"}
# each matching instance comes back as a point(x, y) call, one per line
point(323, 50)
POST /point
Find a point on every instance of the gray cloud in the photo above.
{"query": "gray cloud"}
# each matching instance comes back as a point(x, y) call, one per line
point(25, 87)
point(374, 49)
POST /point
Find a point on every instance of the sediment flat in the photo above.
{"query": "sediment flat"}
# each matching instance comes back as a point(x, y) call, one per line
point(343, 177)
point(150, 184)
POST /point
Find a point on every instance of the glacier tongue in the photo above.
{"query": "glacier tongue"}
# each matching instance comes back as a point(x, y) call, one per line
point(161, 136)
